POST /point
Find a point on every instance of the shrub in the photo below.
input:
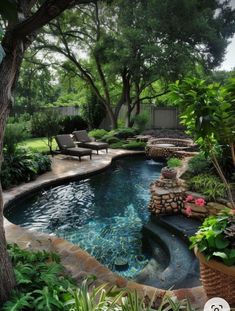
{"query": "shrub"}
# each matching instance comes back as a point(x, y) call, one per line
point(199, 164)
point(117, 145)
point(112, 140)
point(108, 135)
point(93, 111)
point(47, 124)
point(14, 133)
point(98, 133)
point(134, 145)
point(36, 125)
point(23, 166)
point(124, 133)
point(209, 185)
point(174, 162)
point(70, 124)
point(141, 120)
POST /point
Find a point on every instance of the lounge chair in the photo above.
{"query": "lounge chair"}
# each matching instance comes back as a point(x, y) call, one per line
point(83, 140)
point(67, 146)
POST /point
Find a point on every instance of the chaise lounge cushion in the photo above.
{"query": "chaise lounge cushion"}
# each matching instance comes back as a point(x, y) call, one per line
point(65, 141)
point(67, 146)
point(83, 140)
point(76, 150)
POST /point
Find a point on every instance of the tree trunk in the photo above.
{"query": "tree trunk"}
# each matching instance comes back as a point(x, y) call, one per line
point(112, 118)
point(9, 71)
point(7, 279)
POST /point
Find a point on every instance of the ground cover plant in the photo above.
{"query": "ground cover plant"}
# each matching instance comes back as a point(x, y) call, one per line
point(43, 285)
point(209, 185)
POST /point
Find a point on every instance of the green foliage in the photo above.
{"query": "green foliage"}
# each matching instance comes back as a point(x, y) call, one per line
point(47, 124)
point(124, 133)
point(141, 120)
point(22, 166)
point(117, 145)
point(70, 124)
point(36, 86)
point(199, 164)
point(215, 239)
point(209, 185)
point(134, 145)
point(14, 134)
point(121, 134)
point(206, 112)
point(41, 285)
point(98, 133)
point(174, 162)
point(112, 140)
point(93, 111)
point(131, 145)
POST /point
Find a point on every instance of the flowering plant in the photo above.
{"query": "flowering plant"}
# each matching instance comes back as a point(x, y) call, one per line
point(191, 199)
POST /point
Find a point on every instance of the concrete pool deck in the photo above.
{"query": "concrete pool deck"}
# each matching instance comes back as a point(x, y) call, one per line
point(76, 261)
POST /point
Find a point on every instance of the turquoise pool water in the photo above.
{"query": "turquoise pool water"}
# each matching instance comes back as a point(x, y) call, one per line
point(104, 214)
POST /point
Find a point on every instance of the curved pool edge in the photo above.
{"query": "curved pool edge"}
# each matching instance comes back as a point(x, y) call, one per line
point(76, 261)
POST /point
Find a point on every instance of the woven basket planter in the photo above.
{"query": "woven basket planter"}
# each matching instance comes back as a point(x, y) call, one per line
point(217, 279)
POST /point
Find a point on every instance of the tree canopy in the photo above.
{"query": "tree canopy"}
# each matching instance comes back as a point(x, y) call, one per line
point(121, 49)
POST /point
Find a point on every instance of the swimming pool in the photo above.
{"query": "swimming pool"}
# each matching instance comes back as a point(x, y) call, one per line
point(103, 214)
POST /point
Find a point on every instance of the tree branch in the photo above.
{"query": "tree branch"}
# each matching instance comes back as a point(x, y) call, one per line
point(47, 11)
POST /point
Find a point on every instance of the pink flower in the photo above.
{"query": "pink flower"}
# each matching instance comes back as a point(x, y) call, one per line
point(200, 202)
point(188, 210)
point(189, 198)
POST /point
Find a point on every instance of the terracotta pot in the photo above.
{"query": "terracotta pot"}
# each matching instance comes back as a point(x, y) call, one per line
point(168, 173)
point(217, 279)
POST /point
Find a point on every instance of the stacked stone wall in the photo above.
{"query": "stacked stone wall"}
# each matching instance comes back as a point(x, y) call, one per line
point(167, 196)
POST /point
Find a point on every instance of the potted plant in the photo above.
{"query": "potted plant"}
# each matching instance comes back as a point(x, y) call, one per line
point(169, 171)
point(214, 245)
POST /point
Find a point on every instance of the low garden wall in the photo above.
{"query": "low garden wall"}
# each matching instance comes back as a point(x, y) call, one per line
point(167, 196)
point(168, 147)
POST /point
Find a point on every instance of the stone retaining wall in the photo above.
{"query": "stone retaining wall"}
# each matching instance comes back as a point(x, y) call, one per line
point(180, 148)
point(167, 196)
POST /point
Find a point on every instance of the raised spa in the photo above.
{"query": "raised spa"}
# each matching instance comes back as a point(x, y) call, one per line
point(104, 214)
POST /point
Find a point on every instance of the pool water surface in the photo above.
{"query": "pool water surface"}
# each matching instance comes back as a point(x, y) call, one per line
point(103, 214)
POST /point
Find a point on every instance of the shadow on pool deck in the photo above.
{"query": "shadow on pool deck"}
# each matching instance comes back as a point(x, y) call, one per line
point(76, 261)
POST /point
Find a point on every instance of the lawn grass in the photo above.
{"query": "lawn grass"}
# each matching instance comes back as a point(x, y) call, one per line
point(38, 144)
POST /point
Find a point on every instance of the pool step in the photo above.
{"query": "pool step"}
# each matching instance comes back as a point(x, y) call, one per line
point(181, 267)
point(180, 225)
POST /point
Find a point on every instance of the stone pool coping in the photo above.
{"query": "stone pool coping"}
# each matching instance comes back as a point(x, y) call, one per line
point(76, 261)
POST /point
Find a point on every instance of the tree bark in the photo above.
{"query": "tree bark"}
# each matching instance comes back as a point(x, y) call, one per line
point(7, 279)
point(9, 70)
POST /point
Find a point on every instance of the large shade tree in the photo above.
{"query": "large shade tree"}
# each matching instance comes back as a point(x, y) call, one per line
point(128, 45)
point(20, 21)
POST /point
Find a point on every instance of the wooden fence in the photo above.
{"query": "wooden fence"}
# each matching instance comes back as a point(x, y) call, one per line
point(159, 117)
